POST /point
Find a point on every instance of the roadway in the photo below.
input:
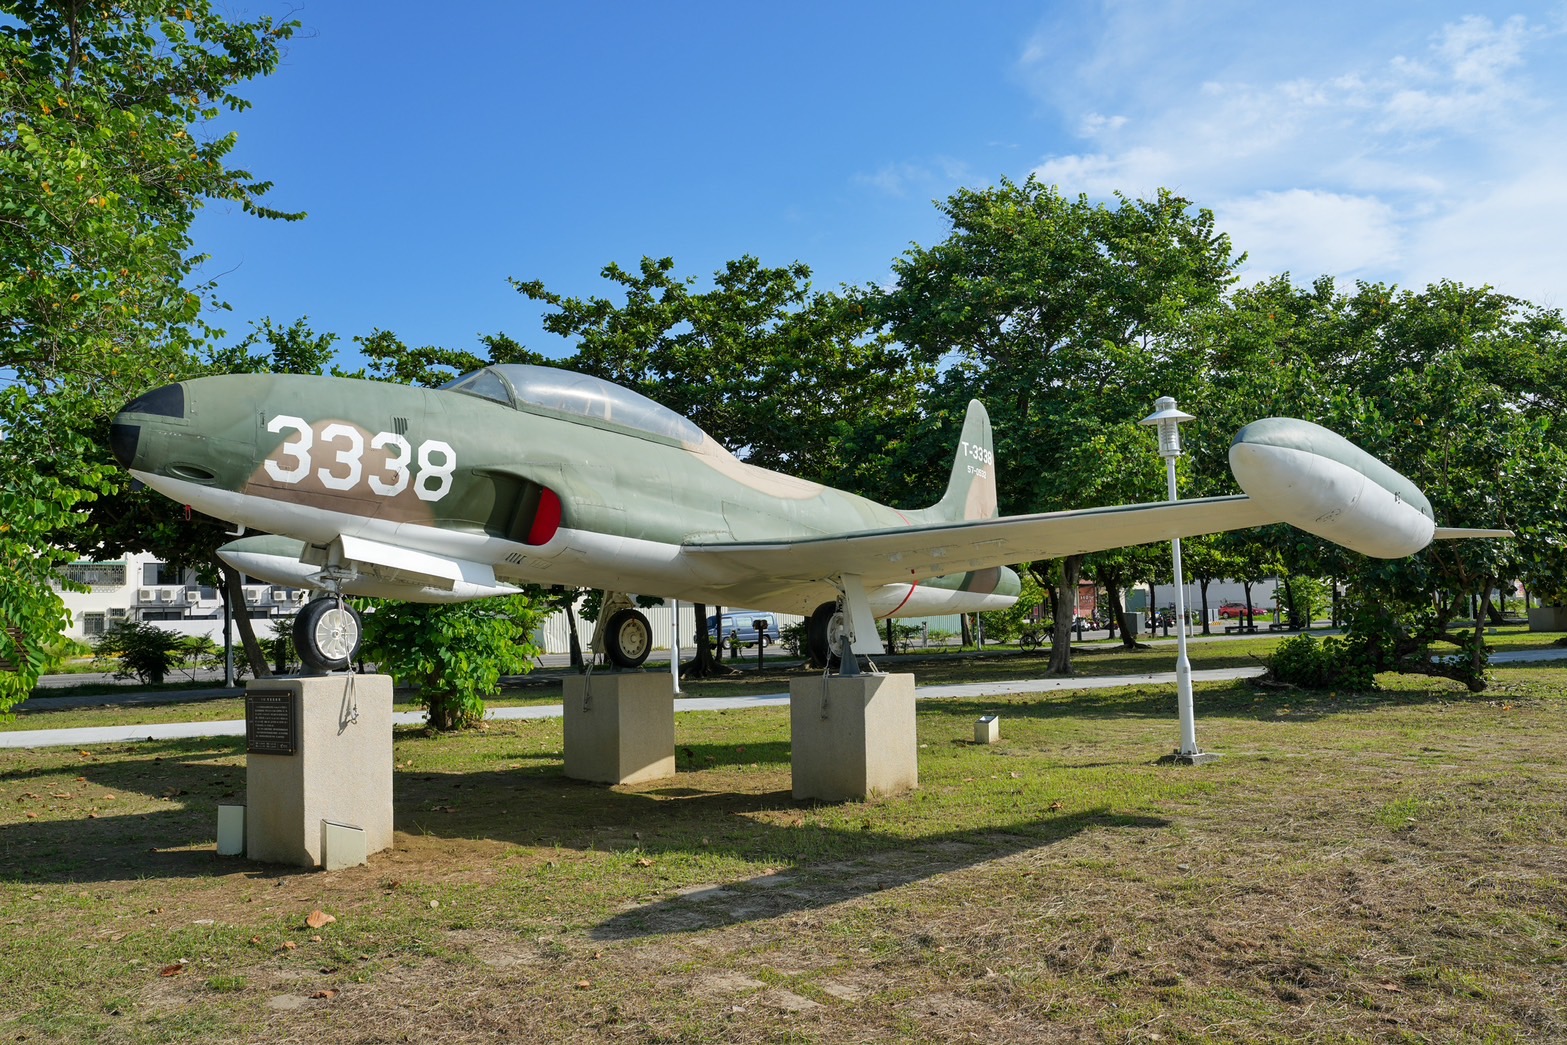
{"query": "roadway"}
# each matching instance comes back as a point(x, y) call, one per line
point(130, 733)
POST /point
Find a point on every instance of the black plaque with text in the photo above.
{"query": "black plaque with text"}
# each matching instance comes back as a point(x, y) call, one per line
point(271, 722)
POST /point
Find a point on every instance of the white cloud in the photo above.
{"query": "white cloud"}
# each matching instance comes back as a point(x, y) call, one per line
point(1095, 124)
point(1401, 149)
point(1311, 232)
point(936, 176)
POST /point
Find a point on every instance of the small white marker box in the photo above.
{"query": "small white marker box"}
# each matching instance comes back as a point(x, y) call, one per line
point(987, 730)
point(231, 830)
point(342, 845)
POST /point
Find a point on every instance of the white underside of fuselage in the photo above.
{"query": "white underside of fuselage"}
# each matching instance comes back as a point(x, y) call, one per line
point(572, 558)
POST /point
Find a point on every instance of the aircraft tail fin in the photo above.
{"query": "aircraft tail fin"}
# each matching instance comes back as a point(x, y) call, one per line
point(971, 489)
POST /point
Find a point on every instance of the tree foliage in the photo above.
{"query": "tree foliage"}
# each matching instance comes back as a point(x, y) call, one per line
point(786, 377)
point(1068, 318)
point(101, 174)
point(1460, 389)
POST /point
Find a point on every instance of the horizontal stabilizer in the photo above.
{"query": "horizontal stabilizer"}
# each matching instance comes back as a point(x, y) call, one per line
point(1458, 533)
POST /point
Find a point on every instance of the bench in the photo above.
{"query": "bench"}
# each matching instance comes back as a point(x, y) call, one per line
point(1230, 629)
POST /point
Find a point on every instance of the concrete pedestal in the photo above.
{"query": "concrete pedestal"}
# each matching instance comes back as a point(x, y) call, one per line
point(1548, 618)
point(853, 736)
point(620, 728)
point(339, 772)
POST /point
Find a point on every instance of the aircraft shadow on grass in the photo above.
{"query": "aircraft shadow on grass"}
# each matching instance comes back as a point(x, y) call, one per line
point(194, 776)
point(687, 814)
point(100, 842)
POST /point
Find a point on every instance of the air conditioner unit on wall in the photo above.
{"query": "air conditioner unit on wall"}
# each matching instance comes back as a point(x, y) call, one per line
point(279, 594)
point(146, 595)
point(166, 595)
point(252, 595)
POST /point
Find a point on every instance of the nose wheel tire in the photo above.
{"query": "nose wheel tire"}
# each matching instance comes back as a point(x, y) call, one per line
point(629, 639)
point(327, 634)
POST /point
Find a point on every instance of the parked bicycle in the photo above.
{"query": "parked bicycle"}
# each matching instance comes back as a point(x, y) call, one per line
point(1035, 635)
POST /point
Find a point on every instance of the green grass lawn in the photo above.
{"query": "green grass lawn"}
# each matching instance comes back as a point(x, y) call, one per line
point(1357, 867)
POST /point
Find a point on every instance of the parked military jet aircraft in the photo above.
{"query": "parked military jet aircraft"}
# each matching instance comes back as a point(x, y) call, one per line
point(520, 474)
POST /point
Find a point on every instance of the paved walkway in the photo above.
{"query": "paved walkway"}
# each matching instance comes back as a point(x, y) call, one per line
point(236, 727)
point(971, 690)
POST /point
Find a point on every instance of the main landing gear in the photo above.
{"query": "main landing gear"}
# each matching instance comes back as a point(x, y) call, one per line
point(824, 632)
point(327, 634)
point(624, 633)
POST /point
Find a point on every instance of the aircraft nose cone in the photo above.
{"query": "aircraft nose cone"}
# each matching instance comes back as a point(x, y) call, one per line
point(125, 433)
point(122, 442)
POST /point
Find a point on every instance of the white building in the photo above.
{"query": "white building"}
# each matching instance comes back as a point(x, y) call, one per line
point(141, 587)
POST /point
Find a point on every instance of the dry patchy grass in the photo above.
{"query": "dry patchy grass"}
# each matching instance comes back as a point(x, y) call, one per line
point(1356, 868)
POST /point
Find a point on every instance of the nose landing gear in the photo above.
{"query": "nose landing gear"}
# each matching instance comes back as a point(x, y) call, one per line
point(327, 634)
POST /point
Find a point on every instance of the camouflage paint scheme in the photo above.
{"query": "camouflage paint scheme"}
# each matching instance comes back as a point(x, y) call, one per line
point(518, 474)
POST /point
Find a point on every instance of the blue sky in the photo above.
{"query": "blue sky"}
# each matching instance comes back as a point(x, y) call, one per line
point(441, 149)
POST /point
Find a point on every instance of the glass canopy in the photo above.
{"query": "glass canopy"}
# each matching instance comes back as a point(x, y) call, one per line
point(522, 386)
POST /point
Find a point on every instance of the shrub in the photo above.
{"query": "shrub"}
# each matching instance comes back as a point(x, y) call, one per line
point(793, 637)
point(1329, 664)
point(144, 652)
point(454, 653)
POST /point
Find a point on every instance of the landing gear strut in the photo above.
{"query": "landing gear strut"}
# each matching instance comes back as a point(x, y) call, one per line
point(327, 632)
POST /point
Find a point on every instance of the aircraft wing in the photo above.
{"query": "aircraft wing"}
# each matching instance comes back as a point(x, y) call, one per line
point(920, 551)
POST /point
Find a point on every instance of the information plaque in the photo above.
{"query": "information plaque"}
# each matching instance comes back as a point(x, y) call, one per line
point(271, 722)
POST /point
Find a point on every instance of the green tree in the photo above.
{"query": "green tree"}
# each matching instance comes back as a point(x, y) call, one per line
point(1460, 389)
point(1068, 318)
point(786, 377)
point(454, 653)
point(101, 174)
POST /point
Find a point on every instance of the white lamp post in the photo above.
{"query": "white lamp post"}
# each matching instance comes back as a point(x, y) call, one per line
point(1167, 419)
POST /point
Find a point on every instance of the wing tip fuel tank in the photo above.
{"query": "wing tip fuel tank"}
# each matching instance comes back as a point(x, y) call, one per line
point(1320, 482)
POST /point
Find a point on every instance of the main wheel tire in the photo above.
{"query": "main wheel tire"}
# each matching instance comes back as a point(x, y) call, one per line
point(629, 639)
point(822, 632)
point(327, 633)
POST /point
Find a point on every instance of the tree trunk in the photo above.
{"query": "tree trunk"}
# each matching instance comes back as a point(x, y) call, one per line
point(571, 628)
point(702, 665)
point(965, 634)
point(259, 668)
point(1202, 587)
point(1251, 615)
point(1118, 613)
point(1065, 603)
point(1476, 680)
point(1496, 615)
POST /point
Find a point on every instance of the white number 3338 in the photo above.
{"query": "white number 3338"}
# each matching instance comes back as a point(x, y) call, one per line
point(341, 450)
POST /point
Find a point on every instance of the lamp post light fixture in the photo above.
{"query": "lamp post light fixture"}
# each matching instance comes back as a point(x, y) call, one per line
point(1166, 418)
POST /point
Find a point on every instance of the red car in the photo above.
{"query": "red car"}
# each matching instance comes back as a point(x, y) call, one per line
point(1236, 610)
